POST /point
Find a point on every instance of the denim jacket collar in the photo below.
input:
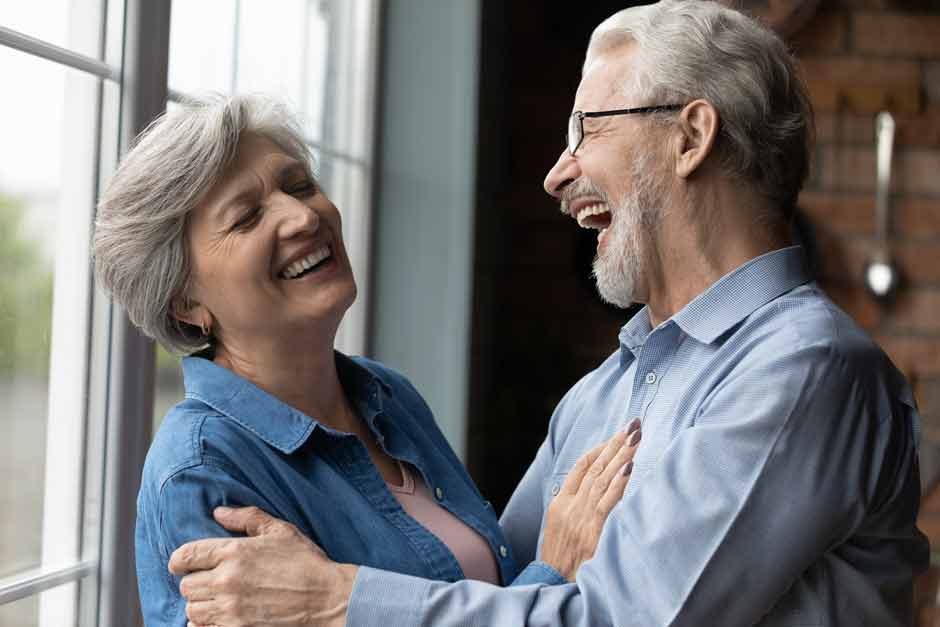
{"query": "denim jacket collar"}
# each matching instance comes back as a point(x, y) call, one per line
point(271, 419)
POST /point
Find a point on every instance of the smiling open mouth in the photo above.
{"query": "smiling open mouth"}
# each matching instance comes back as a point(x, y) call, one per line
point(310, 263)
point(595, 216)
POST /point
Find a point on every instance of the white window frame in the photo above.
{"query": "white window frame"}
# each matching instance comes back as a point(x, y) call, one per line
point(83, 485)
point(100, 418)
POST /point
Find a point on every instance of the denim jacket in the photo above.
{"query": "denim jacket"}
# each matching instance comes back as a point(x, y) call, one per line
point(230, 443)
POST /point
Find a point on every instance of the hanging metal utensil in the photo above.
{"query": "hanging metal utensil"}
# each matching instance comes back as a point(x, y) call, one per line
point(881, 275)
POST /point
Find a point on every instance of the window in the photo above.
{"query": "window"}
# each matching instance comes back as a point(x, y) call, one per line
point(50, 162)
point(74, 378)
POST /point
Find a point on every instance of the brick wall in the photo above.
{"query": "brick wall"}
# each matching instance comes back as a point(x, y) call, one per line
point(859, 57)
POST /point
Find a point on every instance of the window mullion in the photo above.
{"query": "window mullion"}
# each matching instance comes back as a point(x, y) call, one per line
point(131, 363)
point(57, 54)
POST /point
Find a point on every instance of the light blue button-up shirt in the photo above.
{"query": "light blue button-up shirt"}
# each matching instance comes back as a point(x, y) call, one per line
point(776, 482)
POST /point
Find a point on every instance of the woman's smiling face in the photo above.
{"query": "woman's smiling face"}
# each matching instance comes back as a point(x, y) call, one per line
point(268, 261)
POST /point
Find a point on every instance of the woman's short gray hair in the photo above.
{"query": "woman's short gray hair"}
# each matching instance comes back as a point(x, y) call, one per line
point(140, 244)
point(699, 49)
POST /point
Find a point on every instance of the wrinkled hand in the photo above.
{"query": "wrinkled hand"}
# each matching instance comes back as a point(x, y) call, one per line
point(594, 486)
point(276, 576)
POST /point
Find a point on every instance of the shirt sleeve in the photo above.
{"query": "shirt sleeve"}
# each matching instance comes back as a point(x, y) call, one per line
point(522, 518)
point(782, 463)
point(184, 513)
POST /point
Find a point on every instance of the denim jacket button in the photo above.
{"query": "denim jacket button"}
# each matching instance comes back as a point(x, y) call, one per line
point(503, 550)
point(439, 494)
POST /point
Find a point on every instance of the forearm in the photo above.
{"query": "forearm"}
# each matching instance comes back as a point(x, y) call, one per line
point(381, 598)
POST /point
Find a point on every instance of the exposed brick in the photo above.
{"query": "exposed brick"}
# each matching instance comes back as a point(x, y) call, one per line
point(853, 168)
point(920, 355)
point(919, 171)
point(915, 310)
point(843, 259)
point(927, 393)
point(863, 85)
point(896, 34)
point(826, 127)
point(853, 213)
point(825, 33)
point(915, 217)
point(932, 82)
point(851, 297)
point(843, 213)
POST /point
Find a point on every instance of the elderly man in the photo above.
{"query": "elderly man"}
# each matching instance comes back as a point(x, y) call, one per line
point(777, 480)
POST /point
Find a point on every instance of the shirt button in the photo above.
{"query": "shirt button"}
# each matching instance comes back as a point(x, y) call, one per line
point(556, 489)
point(651, 377)
point(503, 550)
point(439, 494)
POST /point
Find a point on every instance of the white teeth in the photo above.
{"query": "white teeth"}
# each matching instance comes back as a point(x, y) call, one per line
point(306, 263)
point(590, 210)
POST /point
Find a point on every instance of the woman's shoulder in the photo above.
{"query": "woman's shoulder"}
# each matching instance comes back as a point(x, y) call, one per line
point(191, 434)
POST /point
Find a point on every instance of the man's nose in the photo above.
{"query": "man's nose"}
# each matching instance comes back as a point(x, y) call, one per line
point(563, 173)
point(296, 217)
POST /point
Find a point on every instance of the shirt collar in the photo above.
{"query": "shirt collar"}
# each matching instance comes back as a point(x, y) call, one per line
point(726, 302)
point(271, 419)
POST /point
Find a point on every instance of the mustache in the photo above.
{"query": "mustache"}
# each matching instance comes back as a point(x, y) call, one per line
point(581, 187)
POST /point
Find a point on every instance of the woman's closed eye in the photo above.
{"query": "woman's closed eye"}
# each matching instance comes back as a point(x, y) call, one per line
point(246, 220)
point(302, 188)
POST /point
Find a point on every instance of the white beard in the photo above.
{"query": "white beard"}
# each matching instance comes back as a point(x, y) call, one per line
point(618, 269)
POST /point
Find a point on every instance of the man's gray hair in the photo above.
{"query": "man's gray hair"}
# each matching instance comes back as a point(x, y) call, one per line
point(140, 246)
point(690, 49)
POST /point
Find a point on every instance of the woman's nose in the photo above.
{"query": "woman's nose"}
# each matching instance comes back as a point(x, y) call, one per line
point(564, 172)
point(296, 218)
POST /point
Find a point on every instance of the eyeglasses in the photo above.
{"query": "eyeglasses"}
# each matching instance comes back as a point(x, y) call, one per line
point(576, 121)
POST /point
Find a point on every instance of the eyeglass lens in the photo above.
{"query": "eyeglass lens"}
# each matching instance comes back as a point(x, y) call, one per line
point(574, 132)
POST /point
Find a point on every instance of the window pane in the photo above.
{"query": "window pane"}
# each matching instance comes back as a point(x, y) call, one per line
point(270, 49)
point(72, 24)
point(21, 613)
point(45, 217)
point(202, 40)
point(347, 185)
point(169, 386)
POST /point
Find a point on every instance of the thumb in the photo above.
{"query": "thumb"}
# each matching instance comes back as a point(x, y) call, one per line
point(251, 521)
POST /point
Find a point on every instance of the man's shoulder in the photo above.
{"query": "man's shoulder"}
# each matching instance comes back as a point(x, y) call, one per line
point(806, 322)
point(806, 317)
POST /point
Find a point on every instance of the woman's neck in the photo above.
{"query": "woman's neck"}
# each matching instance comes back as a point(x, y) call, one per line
point(306, 379)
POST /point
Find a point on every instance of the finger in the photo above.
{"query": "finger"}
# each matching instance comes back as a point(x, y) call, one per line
point(615, 464)
point(577, 472)
point(251, 521)
point(202, 612)
point(615, 490)
point(614, 446)
point(198, 555)
point(198, 586)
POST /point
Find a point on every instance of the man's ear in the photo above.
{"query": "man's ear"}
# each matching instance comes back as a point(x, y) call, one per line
point(191, 312)
point(698, 125)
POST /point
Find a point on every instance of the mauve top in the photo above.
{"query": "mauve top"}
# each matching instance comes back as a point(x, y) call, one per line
point(471, 550)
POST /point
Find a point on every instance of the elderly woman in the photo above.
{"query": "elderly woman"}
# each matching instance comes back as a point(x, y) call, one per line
point(218, 241)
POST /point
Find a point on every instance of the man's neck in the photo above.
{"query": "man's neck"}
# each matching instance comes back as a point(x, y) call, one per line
point(700, 242)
